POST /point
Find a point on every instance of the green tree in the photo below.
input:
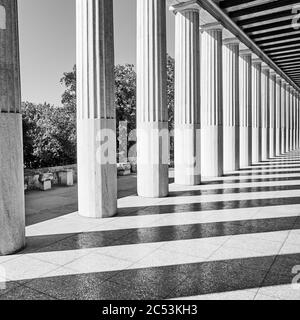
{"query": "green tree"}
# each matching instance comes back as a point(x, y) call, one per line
point(171, 89)
point(69, 82)
point(49, 135)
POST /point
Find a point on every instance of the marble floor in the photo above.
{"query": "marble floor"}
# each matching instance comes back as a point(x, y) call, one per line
point(235, 237)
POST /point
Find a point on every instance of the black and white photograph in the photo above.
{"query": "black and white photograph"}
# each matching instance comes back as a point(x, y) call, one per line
point(149, 151)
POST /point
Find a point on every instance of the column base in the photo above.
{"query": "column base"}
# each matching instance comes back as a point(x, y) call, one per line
point(231, 149)
point(97, 170)
point(212, 151)
point(12, 208)
point(187, 141)
point(153, 160)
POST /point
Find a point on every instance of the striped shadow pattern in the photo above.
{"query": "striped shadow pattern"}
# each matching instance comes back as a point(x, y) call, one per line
point(237, 237)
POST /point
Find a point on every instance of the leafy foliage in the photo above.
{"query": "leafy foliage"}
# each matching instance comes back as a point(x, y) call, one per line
point(49, 135)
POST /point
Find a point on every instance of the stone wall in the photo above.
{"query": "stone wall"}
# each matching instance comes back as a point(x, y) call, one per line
point(32, 175)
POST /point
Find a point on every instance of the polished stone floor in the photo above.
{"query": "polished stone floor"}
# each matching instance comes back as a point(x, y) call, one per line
point(235, 237)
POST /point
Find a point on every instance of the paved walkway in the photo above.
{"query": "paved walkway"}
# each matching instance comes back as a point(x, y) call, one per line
point(42, 206)
point(235, 237)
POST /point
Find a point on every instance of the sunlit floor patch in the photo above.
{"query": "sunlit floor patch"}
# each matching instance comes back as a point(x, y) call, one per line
point(234, 237)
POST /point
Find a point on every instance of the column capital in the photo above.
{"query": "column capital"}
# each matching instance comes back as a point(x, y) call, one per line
point(265, 66)
point(265, 69)
point(245, 52)
point(232, 40)
point(215, 26)
point(185, 6)
point(257, 61)
point(278, 79)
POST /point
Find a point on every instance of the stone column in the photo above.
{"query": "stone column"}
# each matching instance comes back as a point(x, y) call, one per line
point(272, 135)
point(287, 119)
point(211, 101)
point(245, 108)
point(265, 112)
point(291, 118)
point(278, 116)
point(231, 105)
point(187, 97)
point(12, 208)
point(152, 110)
point(297, 121)
point(256, 111)
point(283, 116)
point(96, 124)
point(294, 119)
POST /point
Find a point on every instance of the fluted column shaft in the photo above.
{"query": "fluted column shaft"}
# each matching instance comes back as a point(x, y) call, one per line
point(231, 105)
point(96, 123)
point(187, 98)
point(283, 116)
point(152, 110)
point(291, 119)
point(297, 122)
point(12, 208)
point(278, 116)
point(272, 135)
point(265, 113)
point(256, 111)
point(294, 119)
point(295, 131)
point(245, 113)
point(298, 119)
point(211, 102)
point(287, 122)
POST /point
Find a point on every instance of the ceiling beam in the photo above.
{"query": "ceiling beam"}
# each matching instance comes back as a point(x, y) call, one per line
point(286, 59)
point(281, 39)
point(234, 3)
point(284, 47)
point(275, 34)
point(261, 28)
point(260, 11)
point(285, 15)
point(286, 53)
point(280, 44)
point(292, 63)
point(213, 8)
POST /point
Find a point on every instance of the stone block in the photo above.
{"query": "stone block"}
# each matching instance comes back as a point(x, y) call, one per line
point(45, 181)
point(66, 178)
point(45, 185)
point(46, 177)
point(124, 169)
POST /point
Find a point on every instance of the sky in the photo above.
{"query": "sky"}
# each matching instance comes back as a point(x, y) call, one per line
point(48, 41)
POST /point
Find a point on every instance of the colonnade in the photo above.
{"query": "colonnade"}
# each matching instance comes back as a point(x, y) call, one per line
point(231, 109)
